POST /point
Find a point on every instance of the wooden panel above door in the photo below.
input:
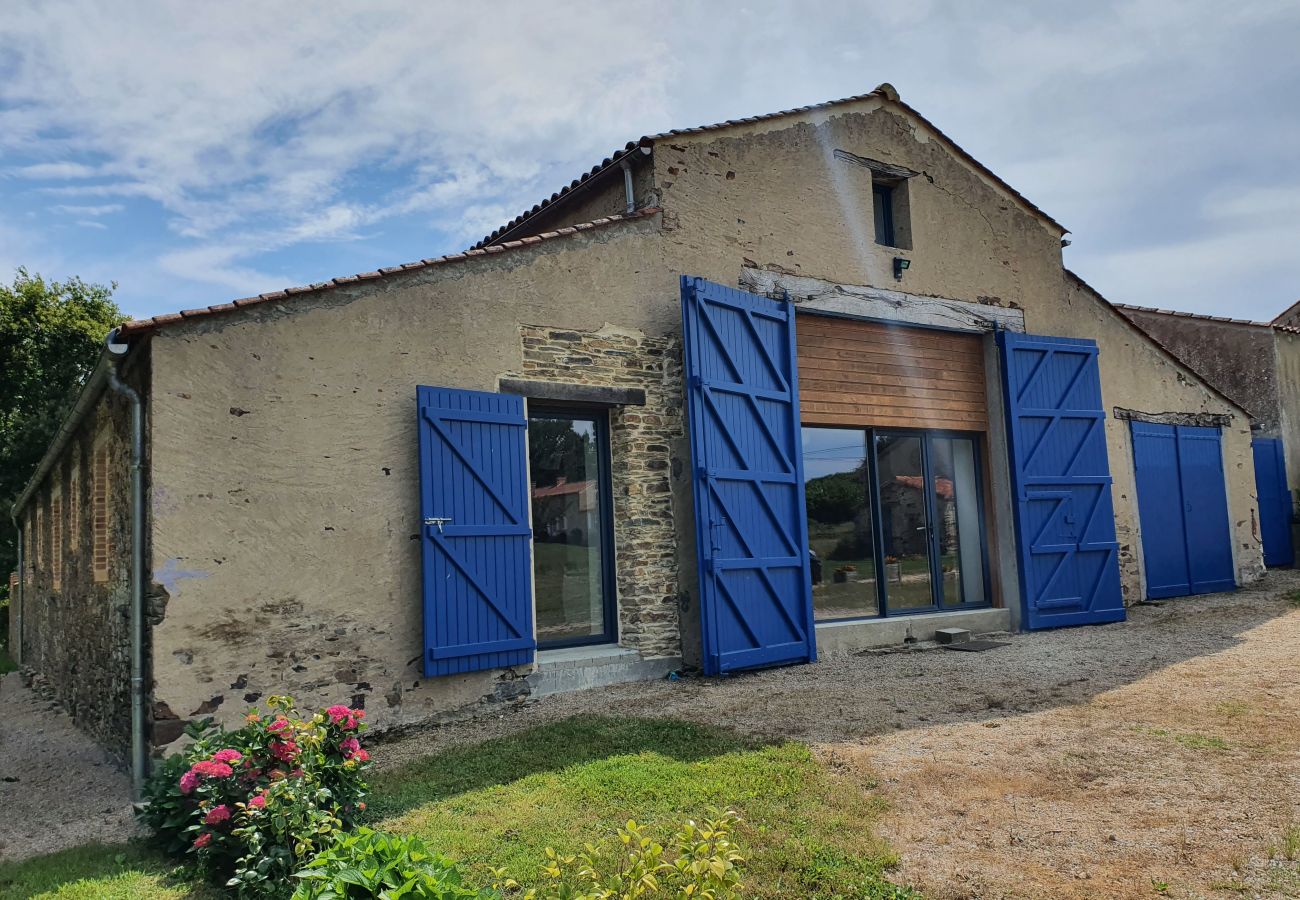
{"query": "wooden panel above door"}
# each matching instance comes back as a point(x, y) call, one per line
point(853, 372)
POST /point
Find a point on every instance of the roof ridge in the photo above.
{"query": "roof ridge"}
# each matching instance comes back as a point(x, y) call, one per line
point(884, 91)
point(137, 327)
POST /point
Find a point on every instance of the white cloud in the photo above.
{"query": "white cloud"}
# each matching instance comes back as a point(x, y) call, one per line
point(1150, 128)
point(105, 209)
point(57, 171)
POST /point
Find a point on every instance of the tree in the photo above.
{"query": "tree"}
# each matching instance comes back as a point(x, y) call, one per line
point(51, 334)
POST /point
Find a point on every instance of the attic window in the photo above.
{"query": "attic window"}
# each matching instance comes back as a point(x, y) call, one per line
point(882, 203)
point(890, 201)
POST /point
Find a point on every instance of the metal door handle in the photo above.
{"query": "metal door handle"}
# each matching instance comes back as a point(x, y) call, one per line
point(439, 521)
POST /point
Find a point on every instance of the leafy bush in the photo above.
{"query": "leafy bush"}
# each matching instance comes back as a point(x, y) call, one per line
point(252, 805)
point(832, 499)
point(704, 863)
point(370, 863)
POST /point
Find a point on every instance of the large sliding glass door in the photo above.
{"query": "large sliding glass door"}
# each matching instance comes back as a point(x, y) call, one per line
point(895, 523)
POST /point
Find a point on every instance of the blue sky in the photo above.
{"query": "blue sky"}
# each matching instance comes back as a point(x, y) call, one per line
point(195, 153)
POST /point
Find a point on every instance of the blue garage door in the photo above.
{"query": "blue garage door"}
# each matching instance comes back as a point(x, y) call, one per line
point(1065, 526)
point(1275, 509)
point(751, 532)
point(1183, 507)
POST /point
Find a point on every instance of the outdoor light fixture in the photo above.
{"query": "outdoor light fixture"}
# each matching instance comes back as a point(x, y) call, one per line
point(900, 265)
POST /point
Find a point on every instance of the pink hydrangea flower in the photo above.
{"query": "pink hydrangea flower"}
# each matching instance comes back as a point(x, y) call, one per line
point(285, 751)
point(217, 815)
point(361, 756)
point(227, 756)
point(203, 840)
point(278, 725)
point(349, 746)
point(189, 781)
point(211, 769)
point(344, 717)
point(258, 802)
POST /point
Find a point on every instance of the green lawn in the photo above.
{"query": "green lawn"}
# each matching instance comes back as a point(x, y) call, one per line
point(808, 832)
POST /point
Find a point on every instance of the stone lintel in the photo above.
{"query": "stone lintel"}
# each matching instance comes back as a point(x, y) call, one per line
point(561, 392)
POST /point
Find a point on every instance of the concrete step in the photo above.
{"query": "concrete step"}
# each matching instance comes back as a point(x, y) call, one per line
point(579, 668)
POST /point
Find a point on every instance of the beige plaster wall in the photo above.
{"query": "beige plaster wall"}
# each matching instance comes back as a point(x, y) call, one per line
point(773, 195)
point(285, 469)
point(1136, 374)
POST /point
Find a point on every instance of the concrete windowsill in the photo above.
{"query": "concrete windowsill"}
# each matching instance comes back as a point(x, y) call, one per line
point(588, 655)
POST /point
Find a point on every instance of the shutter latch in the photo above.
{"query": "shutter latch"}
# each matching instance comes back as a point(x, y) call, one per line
point(438, 521)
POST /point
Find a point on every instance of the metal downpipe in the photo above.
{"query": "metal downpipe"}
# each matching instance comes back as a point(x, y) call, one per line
point(138, 750)
point(628, 193)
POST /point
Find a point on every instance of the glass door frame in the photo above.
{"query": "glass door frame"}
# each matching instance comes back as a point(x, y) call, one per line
point(926, 435)
point(599, 415)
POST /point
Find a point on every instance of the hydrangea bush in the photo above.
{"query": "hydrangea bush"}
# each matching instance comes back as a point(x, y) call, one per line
point(252, 806)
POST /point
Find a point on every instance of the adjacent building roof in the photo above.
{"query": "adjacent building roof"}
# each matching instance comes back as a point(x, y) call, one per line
point(1288, 313)
point(1191, 315)
point(1141, 332)
point(1290, 329)
point(885, 92)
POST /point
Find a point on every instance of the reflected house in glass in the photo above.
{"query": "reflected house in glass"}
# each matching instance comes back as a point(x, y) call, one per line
point(562, 511)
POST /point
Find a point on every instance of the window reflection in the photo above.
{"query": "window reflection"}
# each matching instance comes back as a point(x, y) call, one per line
point(904, 522)
point(961, 558)
point(840, 529)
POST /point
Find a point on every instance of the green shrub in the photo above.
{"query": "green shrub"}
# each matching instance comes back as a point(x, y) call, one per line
point(368, 863)
point(251, 806)
point(704, 863)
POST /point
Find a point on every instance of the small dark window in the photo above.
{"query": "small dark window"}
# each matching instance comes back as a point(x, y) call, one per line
point(882, 196)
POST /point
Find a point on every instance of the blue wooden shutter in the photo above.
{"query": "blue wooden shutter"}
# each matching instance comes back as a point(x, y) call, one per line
point(477, 585)
point(1183, 502)
point(1160, 510)
point(1065, 524)
point(1205, 504)
point(751, 531)
point(1275, 508)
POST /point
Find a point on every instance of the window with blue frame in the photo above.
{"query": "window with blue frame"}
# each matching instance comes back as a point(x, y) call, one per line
point(895, 521)
point(572, 515)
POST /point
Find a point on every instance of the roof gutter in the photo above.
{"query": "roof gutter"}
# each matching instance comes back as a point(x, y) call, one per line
point(90, 392)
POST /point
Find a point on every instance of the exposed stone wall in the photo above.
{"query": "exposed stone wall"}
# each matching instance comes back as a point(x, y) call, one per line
point(1286, 349)
point(641, 438)
point(76, 635)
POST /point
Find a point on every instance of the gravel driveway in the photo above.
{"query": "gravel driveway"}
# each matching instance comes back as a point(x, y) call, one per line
point(57, 787)
point(1158, 757)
